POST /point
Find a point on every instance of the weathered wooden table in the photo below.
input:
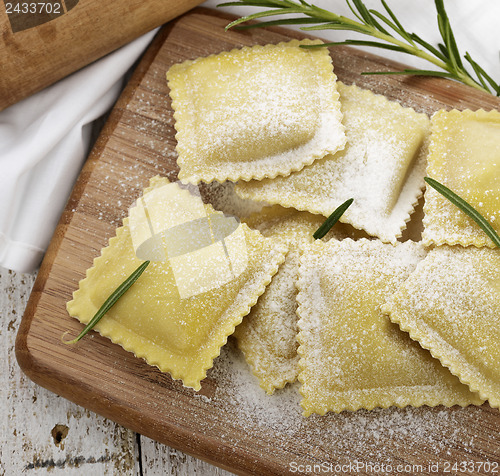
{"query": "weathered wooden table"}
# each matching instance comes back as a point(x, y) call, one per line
point(43, 433)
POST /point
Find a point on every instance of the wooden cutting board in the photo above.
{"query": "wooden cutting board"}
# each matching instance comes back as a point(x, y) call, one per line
point(230, 422)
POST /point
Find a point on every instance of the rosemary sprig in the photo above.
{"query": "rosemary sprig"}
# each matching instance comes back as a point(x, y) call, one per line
point(332, 219)
point(110, 302)
point(466, 208)
point(384, 27)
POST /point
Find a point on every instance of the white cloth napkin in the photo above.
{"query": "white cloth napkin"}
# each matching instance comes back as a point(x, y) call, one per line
point(44, 139)
point(43, 143)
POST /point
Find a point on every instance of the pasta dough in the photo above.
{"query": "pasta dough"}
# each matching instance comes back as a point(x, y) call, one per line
point(268, 335)
point(451, 305)
point(382, 168)
point(464, 156)
point(179, 335)
point(255, 112)
point(351, 355)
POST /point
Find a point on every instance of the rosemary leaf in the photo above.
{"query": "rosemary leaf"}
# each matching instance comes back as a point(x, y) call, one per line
point(332, 219)
point(476, 70)
point(390, 24)
point(414, 72)
point(355, 43)
point(444, 51)
point(481, 73)
point(333, 26)
point(255, 16)
point(111, 301)
point(447, 34)
point(288, 21)
point(353, 10)
point(394, 18)
point(466, 208)
point(363, 11)
point(435, 51)
point(254, 3)
point(452, 47)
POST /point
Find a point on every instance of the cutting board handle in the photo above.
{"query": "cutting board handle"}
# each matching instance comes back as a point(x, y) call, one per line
point(44, 41)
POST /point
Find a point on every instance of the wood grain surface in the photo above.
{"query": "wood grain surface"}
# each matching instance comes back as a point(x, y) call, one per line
point(38, 49)
point(229, 422)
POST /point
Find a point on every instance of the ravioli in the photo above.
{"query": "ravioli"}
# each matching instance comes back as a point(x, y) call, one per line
point(268, 335)
point(451, 306)
point(465, 157)
point(382, 167)
point(351, 355)
point(176, 327)
point(255, 112)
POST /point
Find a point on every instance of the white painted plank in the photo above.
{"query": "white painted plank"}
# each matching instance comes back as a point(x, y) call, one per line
point(41, 431)
point(160, 460)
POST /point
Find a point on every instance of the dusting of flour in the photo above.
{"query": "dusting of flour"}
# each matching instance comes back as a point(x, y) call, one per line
point(379, 434)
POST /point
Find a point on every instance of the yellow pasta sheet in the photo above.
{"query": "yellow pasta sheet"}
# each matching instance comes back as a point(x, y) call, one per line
point(174, 316)
point(268, 335)
point(451, 305)
point(382, 167)
point(351, 355)
point(255, 112)
point(465, 157)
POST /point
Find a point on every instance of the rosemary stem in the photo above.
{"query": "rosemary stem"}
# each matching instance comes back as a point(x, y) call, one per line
point(462, 75)
point(327, 16)
point(466, 79)
point(315, 12)
point(413, 50)
point(446, 57)
point(109, 303)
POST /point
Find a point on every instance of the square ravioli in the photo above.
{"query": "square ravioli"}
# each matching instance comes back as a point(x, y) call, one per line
point(451, 305)
point(174, 326)
point(255, 112)
point(268, 335)
point(351, 355)
point(465, 156)
point(382, 167)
